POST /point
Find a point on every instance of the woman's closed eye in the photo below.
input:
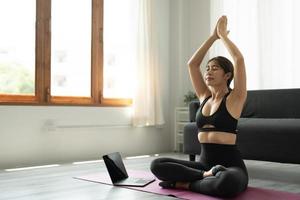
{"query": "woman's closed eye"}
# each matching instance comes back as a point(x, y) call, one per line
point(213, 68)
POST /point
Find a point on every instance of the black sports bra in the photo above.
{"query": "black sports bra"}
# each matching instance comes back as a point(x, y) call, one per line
point(221, 119)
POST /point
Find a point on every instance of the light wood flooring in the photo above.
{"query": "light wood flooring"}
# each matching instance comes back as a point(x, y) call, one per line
point(57, 183)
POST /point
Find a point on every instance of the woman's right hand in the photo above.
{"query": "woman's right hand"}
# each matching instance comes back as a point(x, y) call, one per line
point(215, 33)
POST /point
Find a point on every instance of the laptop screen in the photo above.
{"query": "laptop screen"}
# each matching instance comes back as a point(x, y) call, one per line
point(115, 166)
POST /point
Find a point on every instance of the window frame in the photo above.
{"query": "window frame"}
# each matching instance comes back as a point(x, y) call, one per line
point(42, 94)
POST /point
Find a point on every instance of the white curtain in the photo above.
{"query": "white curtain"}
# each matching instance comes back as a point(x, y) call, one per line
point(267, 32)
point(147, 105)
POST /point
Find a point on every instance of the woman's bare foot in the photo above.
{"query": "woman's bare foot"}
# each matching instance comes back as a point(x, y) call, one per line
point(208, 173)
point(214, 170)
point(182, 185)
point(173, 184)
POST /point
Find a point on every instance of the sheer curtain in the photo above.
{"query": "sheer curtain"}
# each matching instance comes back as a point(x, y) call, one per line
point(267, 32)
point(147, 105)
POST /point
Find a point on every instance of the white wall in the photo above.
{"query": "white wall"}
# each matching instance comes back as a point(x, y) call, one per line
point(189, 27)
point(24, 140)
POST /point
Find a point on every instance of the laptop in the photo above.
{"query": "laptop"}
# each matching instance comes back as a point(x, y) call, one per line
point(118, 173)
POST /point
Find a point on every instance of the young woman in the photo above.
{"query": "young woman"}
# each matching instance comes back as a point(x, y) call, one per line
point(221, 171)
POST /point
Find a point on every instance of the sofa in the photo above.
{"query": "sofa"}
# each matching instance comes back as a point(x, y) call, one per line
point(268, 130)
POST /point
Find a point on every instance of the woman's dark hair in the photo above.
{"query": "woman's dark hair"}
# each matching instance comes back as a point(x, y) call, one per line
point(226, 65)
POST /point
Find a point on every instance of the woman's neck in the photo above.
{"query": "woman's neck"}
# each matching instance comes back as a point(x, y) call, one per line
point(218, 93)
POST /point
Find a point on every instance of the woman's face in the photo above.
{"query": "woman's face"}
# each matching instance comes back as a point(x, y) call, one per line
point(214, 74)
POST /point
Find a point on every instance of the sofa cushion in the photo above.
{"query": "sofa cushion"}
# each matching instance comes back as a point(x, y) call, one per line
point(280, 103)
point(269, 139)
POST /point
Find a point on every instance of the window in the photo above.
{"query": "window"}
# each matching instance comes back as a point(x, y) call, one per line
point(120, 33)
point(52, 53)
point(71, 48)
point(17, 49)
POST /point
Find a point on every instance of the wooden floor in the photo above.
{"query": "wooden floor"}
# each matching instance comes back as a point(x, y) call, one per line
point(57, 182)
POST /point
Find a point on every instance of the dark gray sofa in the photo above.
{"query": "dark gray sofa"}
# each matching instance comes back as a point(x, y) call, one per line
point(268, 130)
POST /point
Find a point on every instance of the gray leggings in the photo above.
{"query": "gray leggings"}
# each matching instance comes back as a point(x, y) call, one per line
point(226, 183)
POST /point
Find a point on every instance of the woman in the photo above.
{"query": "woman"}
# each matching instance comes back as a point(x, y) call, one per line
point(221, 171)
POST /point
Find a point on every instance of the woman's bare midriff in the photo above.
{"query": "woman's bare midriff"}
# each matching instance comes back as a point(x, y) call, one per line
point(217, 137)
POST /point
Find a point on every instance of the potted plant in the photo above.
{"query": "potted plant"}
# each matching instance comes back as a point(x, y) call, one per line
point(190, 96)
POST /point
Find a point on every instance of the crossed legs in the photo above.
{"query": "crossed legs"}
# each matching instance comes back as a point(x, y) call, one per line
point(190, 174)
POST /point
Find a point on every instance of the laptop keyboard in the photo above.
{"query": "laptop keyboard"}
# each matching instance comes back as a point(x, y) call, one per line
point(139, 180)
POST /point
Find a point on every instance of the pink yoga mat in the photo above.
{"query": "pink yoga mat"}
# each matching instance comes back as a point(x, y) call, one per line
point(249, 194)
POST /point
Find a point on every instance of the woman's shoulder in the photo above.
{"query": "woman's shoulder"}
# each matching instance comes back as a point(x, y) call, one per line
point(235, 104)
point(237, 96)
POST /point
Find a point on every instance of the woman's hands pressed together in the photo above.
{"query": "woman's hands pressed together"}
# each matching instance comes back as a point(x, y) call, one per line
point(222, 27)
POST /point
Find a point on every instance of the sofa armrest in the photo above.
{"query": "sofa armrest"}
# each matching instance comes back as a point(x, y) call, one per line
point(191, 144)
point(193, 108)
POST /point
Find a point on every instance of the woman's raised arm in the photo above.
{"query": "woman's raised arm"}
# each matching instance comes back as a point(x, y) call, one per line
point(240, 83)
point(194, 66)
